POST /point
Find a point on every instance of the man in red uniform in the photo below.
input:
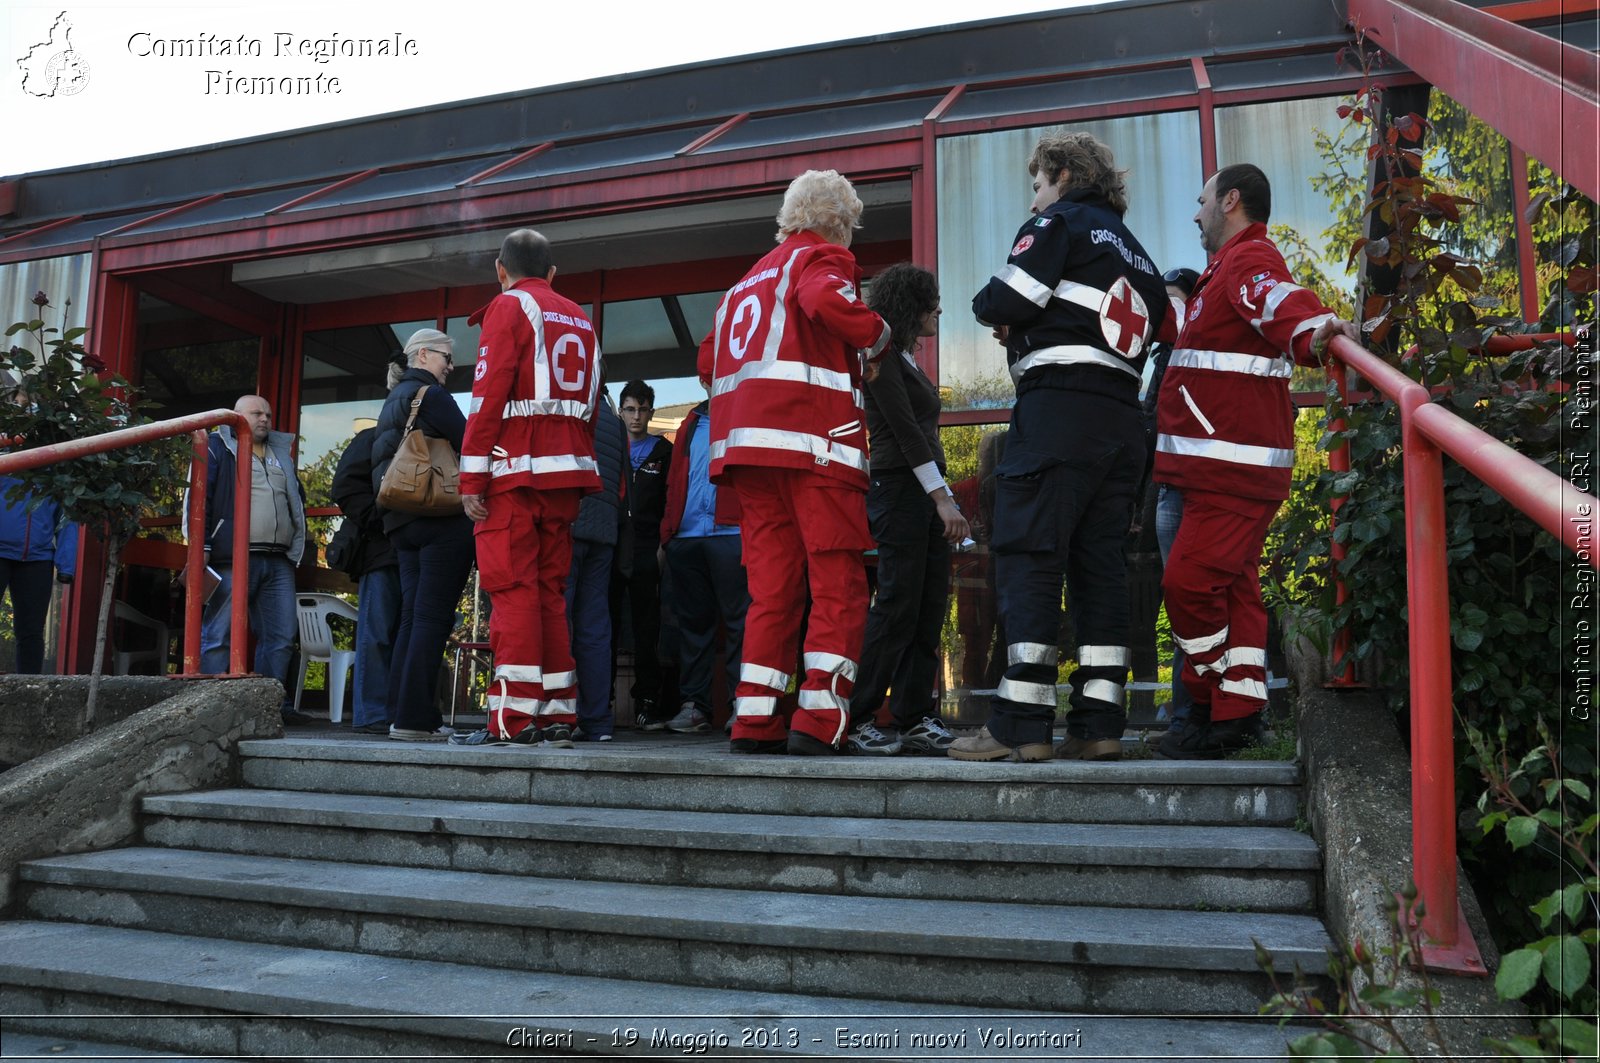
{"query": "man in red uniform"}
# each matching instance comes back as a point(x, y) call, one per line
point(788, 433)
point(526, 458)
point(1225, 438)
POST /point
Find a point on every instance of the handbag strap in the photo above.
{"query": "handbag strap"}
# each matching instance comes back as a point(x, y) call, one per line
point(416, 404)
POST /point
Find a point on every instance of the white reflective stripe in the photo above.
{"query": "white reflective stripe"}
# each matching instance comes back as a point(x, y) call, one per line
point(790, 372)
point(1023, 283)
point(541, 357)
point(1194, 409)
point(544, 408)
point(822, 699)
point(474, 464)
point(780, 310)
point(560, 707)
point(1203, 644)
point(557, 680)
point(1103, 656)
point(830, 662)
point(1032, 653)
point(755, 706)
point(762, 676)
point(1084, 295)
point(1248, 688)
point(881, 344)
point(1237, 657)
point(1027, 693)
point(1230, 362)
point(1103, 690)
point(507, 701)
point(928, 477)
point(519, 673)
point(821, 449)
point(1222, 450)
point(1310, 323)
point(537, 466)
point(1072, 354)
point(1275, 297)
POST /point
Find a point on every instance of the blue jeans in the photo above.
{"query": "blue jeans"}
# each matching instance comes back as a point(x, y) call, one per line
point(30, 585)
point(376, 626)
point(589, 622)
point(1169, 514)
point(436, 554)
point(272, 619)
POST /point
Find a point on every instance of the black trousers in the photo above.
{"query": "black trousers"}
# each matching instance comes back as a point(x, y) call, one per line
point(708, 594)
point(29, 584)
point(1066, 513)
point(900, 651)
point(641, 591)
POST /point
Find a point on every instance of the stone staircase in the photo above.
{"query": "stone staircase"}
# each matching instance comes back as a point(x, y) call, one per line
point(659, 896)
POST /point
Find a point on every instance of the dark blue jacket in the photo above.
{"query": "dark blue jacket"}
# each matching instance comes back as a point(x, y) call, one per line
point(600, 514)
point(37, 534)
point(438, 417)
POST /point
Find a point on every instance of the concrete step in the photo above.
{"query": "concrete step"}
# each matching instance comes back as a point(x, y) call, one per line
point(1027, 956)
point(326, 1004)
point(698, 775)
point(1255, 868)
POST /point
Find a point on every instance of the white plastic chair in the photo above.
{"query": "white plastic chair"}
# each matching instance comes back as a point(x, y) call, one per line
point(316, 644)
point(123, 660)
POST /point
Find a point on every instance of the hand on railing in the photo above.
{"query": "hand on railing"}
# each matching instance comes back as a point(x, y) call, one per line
point(1325, 333)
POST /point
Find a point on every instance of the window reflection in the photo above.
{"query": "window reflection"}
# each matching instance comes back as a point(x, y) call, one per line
point(984, 192)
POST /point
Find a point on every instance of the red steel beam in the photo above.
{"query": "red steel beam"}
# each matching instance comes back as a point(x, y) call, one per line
point(1539, 93)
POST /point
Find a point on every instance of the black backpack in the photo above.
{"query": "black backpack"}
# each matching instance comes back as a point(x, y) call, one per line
point(347, 550)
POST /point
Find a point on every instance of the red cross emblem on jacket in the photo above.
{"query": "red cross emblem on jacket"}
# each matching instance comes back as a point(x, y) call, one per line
point(1124, 319)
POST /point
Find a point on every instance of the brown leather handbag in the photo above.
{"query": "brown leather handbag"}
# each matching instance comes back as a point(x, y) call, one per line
point(425, 476)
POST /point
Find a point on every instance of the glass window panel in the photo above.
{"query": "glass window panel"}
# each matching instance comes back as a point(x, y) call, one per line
point(342, 390)
point(190, 363)
point(230, 208)
point(401, 183)
point(637, 325)
point(972, 649)
point(612, 151)
point(64, 279)
point(984, 193)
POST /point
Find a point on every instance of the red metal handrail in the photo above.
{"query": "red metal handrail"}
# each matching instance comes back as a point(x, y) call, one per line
point(194, 425)
point(1427, 432)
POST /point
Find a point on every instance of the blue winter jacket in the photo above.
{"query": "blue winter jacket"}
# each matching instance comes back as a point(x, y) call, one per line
point(37, 534)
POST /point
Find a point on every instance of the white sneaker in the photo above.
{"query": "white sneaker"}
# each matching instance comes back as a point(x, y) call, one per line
point(407, 734)
point(868, 739)
point(689, 721)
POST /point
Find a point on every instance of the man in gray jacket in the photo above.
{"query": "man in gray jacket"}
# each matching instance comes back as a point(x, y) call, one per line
point(277, 541)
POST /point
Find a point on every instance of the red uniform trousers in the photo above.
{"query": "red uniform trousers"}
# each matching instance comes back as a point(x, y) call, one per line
point(524, 553)
point(1212, 587)
point(799, 528)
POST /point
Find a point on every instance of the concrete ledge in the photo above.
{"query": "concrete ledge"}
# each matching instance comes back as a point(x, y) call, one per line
point(39, 713)
point(85, 795)
point(1358, 801)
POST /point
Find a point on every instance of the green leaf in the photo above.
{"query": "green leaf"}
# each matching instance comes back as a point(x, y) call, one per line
point(1521, 830)
point(1579, 789)
point(1575, 1035)
point(1324, 1046)
point(1547, 908)
point(1572, 899)
point(1519, 972)
point(1390, 998)
point(1566, 967)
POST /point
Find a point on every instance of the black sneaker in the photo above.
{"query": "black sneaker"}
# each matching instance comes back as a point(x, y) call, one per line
point(803, 745)
point(1207, 740)
point(757, 745)
point(930, 737)
point(477, 738)
point(644, 716)
point(871, 740)
point(556, 736)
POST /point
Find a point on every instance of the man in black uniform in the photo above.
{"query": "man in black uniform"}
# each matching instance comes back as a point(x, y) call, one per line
point(1075, 305)
point(649, 460)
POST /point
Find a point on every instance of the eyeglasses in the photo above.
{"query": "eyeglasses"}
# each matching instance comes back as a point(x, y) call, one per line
point(449, 359)
point(631, 410)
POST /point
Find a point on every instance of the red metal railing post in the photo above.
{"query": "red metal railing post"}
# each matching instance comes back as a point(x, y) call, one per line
point(194, 570)
point(1433, 784)
point(1338, 462)
point(243, 467)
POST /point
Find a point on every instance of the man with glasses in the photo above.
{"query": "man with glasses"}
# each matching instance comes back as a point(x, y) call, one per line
point(649, 458)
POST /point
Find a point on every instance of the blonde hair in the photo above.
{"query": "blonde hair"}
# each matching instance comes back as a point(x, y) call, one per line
point(822, 201)
point(1086, 161)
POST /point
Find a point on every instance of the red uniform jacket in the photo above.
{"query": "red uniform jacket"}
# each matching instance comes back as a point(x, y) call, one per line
point(1224, 422)
point(533, 395)
point(784, 363)
point(727, 510)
